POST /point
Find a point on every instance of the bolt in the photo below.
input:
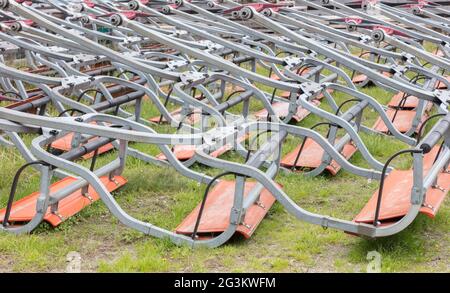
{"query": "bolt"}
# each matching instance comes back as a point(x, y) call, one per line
point(116, 20)
point(166, 9)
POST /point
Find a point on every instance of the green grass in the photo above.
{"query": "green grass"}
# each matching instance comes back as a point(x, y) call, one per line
point(281, 243)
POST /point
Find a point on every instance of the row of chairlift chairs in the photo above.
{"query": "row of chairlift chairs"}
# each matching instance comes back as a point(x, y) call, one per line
point(220, 75)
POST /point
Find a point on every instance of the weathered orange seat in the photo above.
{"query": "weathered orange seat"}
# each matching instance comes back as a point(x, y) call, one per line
point(282, 110)
point(360, 78)
point(24, 209)
point(396, 197)
point(439, 53)
point(311, 156)
point(186, 152)
point(403, 120)
point(275, 77)
point(216, 213)
point(65, 144)
point(410, 102)
point(176, 114)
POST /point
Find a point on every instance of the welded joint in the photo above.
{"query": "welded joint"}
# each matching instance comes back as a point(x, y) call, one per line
point(417, 194)
point(235, 219)
point(398, 70)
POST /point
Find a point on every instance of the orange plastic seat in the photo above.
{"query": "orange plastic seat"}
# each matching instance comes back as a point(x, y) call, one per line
point(410, 102)
point(311, 156)
point(360, 78)
point(282, 110)
point(176, 114)
point(275, 77)
point(24, 209)
point(65, 144)
point(182, 152)
point(396, 197)
point(285, 94)
point(216, 213)
point(186, 152)
point(439, 53)
point(403, 120)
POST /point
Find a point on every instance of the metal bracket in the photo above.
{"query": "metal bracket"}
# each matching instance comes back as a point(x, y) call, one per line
point(428, 206)
point(193, 78)
point(88, 196)
point(56, 213)
point(73, 82)
point(175, 64)
point(439, 187)
point(261, 205)
point(246, 225)
point(293, 61)
point(443, 96)
point(211, 45)
point(311, 88)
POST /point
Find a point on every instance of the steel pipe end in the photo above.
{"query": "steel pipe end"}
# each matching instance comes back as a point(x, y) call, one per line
point(16, 26)
point(417, 10)
point(267, 12)
point(178, 3)
point(133, 5)
point(116, 19)
point(325, 2)
point(166, 9)
point(246, 13)
point(235, 14)
point(211, 4)
point(378, 35)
